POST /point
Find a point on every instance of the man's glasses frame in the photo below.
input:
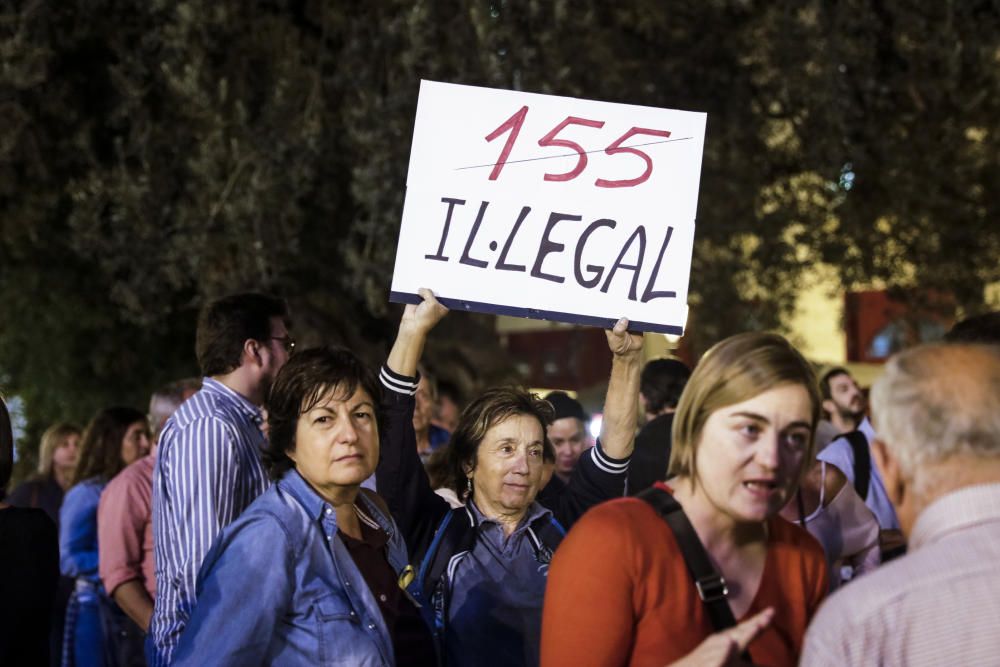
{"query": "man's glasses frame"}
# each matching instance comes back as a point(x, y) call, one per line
point(287, 342)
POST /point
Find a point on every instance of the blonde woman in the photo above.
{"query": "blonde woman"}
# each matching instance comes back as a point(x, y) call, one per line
point(619, 591)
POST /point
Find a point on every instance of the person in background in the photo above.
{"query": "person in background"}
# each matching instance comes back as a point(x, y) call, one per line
point(29, 570)
point(315, 571)
point(937, 409)
point(115, 438)
point(57, 458)
point(620, 591)
point(208, 467)
point(851, 454)
point(567, 433)
point(125, 524)
point(660, 388)
point(429, 435)
point(449, 406)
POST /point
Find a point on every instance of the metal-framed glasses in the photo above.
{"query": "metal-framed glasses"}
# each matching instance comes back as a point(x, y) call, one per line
point(287, 342)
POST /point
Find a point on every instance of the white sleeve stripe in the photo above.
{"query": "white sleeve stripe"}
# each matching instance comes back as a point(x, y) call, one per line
point(403, 387)
point(607, 465)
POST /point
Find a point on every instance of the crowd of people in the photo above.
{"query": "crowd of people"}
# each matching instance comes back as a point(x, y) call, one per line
point(298, 507)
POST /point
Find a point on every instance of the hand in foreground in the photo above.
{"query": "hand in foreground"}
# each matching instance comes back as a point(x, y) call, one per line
point(422, 317)
point(724, 648)
point(622, 343)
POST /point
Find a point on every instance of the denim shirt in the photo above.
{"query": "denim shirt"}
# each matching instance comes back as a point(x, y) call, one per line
point(497, 589)
point(78, 530)
point(279, 587)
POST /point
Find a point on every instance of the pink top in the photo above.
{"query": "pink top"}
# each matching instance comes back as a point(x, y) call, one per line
point(125, 528)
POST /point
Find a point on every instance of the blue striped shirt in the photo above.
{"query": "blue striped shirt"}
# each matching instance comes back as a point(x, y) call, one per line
point(208, 471)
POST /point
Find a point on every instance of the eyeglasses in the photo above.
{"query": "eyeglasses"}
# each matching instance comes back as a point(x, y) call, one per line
point(286, 341)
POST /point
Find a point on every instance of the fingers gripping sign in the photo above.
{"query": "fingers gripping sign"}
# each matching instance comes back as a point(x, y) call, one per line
point(622, 342)
point(423, 317)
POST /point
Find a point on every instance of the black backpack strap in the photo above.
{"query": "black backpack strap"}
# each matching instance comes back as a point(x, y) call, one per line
point(862, 462)
point(710, 584)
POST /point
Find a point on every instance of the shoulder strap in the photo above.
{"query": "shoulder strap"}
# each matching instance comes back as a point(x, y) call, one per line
point(455, 534)
point(709, 583)
point(862, 462)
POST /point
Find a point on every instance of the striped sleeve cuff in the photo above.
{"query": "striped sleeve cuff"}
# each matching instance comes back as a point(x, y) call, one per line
point(401, 384)
point(606, 463)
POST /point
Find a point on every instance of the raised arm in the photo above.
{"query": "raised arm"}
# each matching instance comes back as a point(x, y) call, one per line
point(400, 476)
point(621, 406)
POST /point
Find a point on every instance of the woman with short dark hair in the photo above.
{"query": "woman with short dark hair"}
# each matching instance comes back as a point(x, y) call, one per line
point(114, 438)
point(483, 567)
point(314, 571)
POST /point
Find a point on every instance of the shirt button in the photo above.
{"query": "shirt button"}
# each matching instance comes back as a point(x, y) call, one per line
point(329, 511)
point(352, 614)
point(371, 626)
point(347, 584)
point(382, 597)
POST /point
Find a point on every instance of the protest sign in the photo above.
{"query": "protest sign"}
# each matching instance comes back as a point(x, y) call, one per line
point(550, 207)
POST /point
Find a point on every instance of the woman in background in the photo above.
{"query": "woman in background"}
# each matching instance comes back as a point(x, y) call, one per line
point(29, 569)
point(114, 438)
point(57, 456)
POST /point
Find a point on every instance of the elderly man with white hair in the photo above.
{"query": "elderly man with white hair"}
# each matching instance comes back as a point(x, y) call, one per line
point(937, 414)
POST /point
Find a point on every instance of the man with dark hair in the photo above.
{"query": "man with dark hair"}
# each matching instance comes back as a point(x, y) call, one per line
point(209, 463)
point(851, 452)
point(843, 400)
point(660, 388)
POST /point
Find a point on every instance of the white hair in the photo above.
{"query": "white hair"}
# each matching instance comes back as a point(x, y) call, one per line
point(937, 402)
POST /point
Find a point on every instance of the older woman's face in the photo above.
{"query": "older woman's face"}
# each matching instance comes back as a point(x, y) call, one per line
point(336, 442)
point(508, 472)
point(750, 454)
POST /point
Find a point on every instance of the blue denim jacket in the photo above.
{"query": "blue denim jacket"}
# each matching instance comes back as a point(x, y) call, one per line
point(278, 587)
point(78, 530)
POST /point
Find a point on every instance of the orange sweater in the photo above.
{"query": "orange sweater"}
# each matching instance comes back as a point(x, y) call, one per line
point(619, 592)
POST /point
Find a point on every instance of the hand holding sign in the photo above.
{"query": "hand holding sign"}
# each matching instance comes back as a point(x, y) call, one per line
point(514, 206)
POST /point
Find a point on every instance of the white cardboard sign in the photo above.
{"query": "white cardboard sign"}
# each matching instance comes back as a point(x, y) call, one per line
point(550, 207)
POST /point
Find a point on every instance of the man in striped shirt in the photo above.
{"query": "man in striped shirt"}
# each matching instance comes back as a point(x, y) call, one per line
point(937, 409)
point(209, 467)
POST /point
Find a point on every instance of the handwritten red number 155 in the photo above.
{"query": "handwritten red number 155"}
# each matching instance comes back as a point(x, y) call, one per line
point(513, 126)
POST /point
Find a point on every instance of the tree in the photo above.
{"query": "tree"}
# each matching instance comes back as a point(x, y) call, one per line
point(156, 155)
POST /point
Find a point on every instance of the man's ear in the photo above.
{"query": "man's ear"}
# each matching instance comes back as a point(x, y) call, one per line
point(888, 466)
point(829, 406)
point(251, 352)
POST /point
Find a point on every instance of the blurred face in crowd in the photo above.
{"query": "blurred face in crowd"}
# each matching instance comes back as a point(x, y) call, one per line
point(751, 454)
point(423, 409)
point(569, 438)
point(336, 442)
point(136, 442)
point(508, 471)
point(847, 400)
point(67, 451)
point(447, 413)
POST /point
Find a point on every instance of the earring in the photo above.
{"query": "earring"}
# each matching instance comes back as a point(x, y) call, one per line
point(468, 485)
